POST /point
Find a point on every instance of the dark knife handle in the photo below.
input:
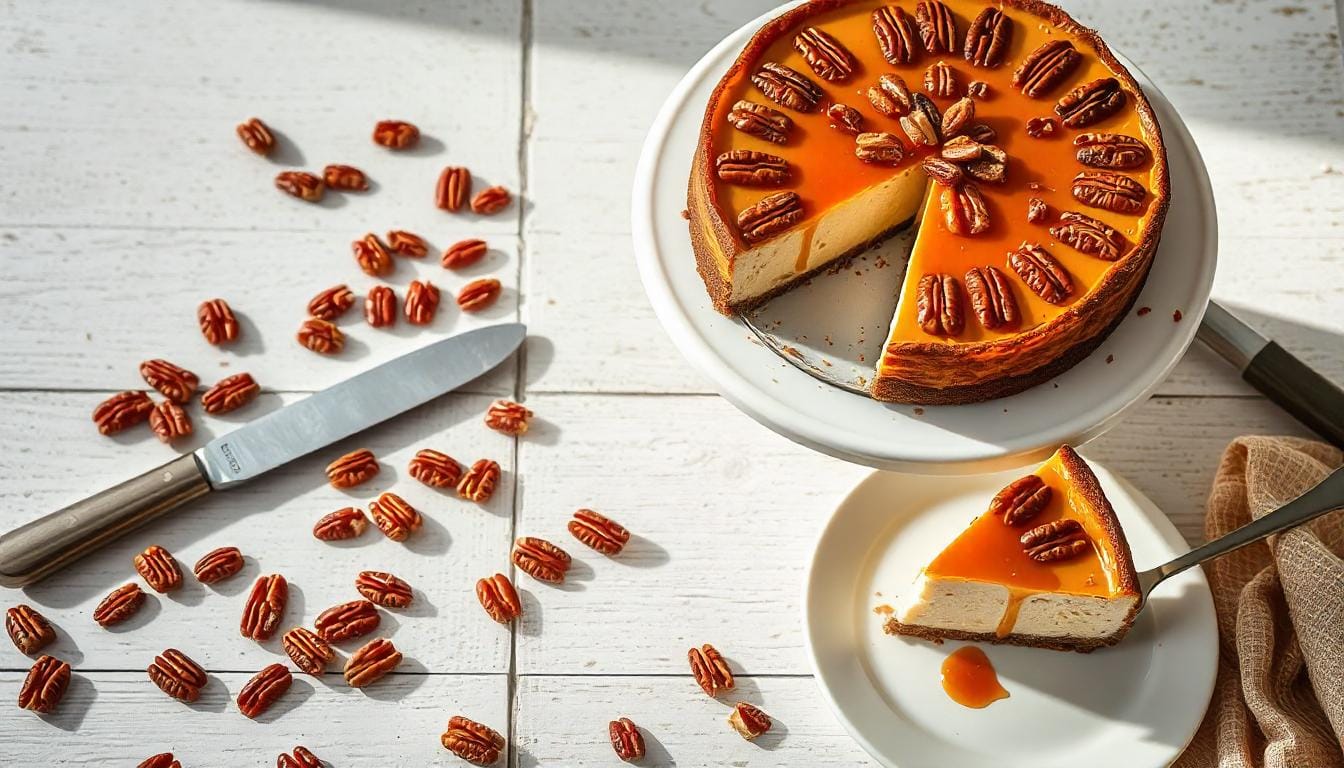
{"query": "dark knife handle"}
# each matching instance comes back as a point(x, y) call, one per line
point(1310, 397)
point(47, 544)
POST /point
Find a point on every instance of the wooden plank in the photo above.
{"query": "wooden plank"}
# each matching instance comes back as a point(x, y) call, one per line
point(120, 718)
point(52, 456)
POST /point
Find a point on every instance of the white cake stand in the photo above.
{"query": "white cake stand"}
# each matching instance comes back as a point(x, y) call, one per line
point(829, 330)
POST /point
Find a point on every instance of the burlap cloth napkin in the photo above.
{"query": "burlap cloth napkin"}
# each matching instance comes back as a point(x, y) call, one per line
point(1279, 698)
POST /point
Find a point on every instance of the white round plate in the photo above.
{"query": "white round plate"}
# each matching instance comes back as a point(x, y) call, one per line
point(1136, 704)
point(1074, 407)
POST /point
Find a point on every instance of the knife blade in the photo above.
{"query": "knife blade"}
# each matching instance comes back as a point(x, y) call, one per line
point(43, 546)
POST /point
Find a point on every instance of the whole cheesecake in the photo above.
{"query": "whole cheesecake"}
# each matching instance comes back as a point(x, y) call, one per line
point(1026, 153)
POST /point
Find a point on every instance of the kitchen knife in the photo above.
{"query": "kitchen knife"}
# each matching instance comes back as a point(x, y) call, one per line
point(38, 549)
point(1310, 397)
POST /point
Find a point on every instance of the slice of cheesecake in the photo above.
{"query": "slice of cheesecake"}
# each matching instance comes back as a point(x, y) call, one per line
point(1046, 566)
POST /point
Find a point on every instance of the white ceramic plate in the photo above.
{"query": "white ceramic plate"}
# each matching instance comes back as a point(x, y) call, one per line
point(1134, 705)
point(1076, 406)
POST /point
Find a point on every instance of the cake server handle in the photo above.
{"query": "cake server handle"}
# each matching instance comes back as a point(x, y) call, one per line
point(1326, 496)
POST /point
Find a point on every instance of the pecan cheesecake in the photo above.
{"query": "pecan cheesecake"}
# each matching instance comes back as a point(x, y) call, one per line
point(1046, 566)
point(1026, 153)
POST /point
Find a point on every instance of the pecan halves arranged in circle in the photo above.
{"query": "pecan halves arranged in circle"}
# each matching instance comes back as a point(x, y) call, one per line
point(352, 469)
point(464, 253)
point(499, 599)
point(265, 607)
point(787, 87)
point(301, 758)
point(1046, 67)
point(309, 652)
point(345, 178)
point(172, 381)
point(748, 721)
point(626, 739)
point(895, 34)
point(301, 184)
point(347, 621)
point(957, 116)
point(599, 532)
point(937, 27)
point(1021, 500)
point(508, 417)
point(230, 393)
point(404, 243)
point(29, 630)
point(256, 135)
point(161, 760)
point(435, 469)
point(490, 201)
point(1058, 540)
point(380, 306)
point(710, 670)
point(541, 559)
point(824, 54)
point(940, 80)
point(476, 743)
point(169, 421)
point(371, 662)
point(941, 171)
point(344, 523)
point(122, 410)
point(159, 569)
point(422, 302)
point(395, 134)
point(1088, 235)
point(879, 148)
point(320, 336)
point(1090, 102)
point(845, 118)
point(177, 675)
point(453, 188)
point(45, 685)
point(1109, 191)
point(394, 517)
point(751, 168)
point(265, 687)
point(479, 482)
point(479, 294)
point(987, 39)
point(961, 149)
point(964, 209)
point(891, 96)
point(992, 165)
point(770, 216)
point(761, 121)
point(939, 308)
point(1041, 272)
point(992, 298)
point(218, 564)
point(119, 605)
point(1110, 150)
point(924, 124)
point(371, 255)
point(331, 303)
point(383, 589)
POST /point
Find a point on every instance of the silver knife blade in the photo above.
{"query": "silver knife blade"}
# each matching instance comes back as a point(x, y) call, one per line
point(355, 404)
point(1226, 334)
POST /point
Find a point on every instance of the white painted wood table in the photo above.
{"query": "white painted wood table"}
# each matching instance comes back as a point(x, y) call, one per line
point(125, 199)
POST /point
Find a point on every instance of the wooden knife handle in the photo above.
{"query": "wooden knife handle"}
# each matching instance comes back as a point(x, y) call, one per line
point(1310, 397)
point(47, 544)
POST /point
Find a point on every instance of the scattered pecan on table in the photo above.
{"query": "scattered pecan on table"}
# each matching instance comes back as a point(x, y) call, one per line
point(265, 607)
point(464, 253)
point(404, 243)
point(309, 652)
point(121, 411)
point(352, 469)
point(422, 302)
point(177, 675)
point(710, 670)
point(394, 517)
point(161, 760)
point(599, 532)
point(218, 564)
point(347, 621)
point(395, 134)
point(172, 381)
point(230, 393)
point(453, 188)
point(490, 201)
point(508, 417)
point(301, 758)
point(301, 184)
point(541, 559)
point(169, 421)
point(265, 687)
point(435, 469)
point(119, 605)
point(384, 589)
point(29, 630)
point(332, 302)
point(476, 743)
point(45, 685)
point(478, 294)
point(499, 599)
point(345, 178)
point(256, 135)
point(344, 523)
point(748, 721)
point(371, 662)
point(159, 569)
point(626, 739)
point(320, 336)
point(478, 484)
point(380, 306)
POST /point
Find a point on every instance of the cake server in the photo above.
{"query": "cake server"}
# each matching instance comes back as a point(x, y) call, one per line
point(43, 546)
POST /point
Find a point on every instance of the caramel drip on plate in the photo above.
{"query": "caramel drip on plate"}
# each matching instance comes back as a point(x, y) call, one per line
point(970, 680)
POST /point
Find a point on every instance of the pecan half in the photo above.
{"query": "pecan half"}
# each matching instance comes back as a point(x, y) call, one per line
point(508, 417)
point(395, 134)
point(750, 168)
point(394, 517)
point(169, 421)
point(217, 321)
point(1021, 500)
point(1058, 540)
point(265, 607)
point(477, 744)
point(891, 96)
point(380, 306)
point(964, 209)
point(845, 118)
point(478, 294)
point(371, 662)
point(761, 121)
point(177, 675)
point(942, 171)
point(265, 687)
point(939, 308)
point(300, 184)
point(347, 620)
point(320, 336)
point(1041, 127)
point(230, 393)
point(1037, 210)
point(599, 532)
point(371, 255)
point(770, 216)
point(958, 116)
point(218, 564)
point(987, 39)
point(787, 87)
point(924, 125)
point(626, 739)
point(980, 133)
point(352, 469)
point(422, 301)
point(992, 298)
point(309, 652)
point(1109, 191)
point(1088, 235)
point(122, 410)
point(464, 253)
point(435, 469)
point(1110, 150)
point(404, 243)
point(173, 382)
point(1046, 67)
point(478, 484)
point(895, 34)
point(29, 630)
point(940, 80)
point(937, 27)
point(344, 523)
point(961, 149)
point(824, 54)
point(453, 188)
point(879, 148)
point(882, 102)
point(710, 670)
point(332, 302)
point(159, 569)
point(161, 760)
point(490, 201)
point(302, 758)
point(748, 721)
point(499, 598)
point(256, 135)
point(540, 559)
point(345, 178)
point(1045, 276)
point(382, 588)
point(992, 165)
point(45, 685)
point(119, 605)
point(1090, 102)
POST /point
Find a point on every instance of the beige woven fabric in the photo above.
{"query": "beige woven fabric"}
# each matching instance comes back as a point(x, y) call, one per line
point(1279, 699)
